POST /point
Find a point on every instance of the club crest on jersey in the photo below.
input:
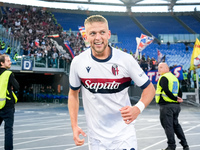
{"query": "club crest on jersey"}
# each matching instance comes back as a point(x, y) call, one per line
point(115, 69)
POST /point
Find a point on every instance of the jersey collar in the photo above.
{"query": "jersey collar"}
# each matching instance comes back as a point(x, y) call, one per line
point(103, 60)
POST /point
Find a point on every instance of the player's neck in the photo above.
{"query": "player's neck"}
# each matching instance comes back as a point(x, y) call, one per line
point(103, 55)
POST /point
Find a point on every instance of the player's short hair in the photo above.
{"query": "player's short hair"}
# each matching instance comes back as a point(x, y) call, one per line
point(95, 18)
point(2, 58)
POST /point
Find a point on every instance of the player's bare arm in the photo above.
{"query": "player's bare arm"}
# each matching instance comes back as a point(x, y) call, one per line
point(130, 113)
point(73, 106)
point(148, 94)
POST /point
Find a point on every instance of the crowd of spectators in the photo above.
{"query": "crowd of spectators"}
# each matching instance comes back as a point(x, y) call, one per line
point(148, 64)
point(75, 41)
point(145, 62)
point(32, 26)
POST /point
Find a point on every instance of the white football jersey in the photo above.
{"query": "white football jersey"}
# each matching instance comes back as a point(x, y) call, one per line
point(104, 86)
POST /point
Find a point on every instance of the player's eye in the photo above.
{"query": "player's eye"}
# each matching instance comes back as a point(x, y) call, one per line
point(92, 33)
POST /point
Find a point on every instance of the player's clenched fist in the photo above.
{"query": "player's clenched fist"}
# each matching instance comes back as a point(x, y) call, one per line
point(129, 113)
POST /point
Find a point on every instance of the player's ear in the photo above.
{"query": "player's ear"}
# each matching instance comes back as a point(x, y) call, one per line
point(109, 34)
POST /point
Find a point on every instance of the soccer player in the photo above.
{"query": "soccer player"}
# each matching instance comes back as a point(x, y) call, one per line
point(104, 75)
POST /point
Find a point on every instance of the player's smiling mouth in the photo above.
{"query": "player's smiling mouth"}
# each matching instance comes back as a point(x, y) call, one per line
point(98, 43)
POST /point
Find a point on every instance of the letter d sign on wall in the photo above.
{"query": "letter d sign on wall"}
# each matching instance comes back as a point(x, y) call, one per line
point(27, 65)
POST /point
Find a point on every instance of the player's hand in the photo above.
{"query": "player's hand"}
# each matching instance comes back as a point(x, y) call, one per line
point(76, 132)
point(129, 113)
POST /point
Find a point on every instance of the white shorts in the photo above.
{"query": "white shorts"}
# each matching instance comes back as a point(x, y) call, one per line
point(128, 144)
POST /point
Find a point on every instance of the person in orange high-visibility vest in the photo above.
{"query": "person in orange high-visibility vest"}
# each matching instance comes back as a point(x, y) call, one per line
point(8, 83)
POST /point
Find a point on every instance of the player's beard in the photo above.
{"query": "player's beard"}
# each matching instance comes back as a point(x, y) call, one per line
point(99, 51)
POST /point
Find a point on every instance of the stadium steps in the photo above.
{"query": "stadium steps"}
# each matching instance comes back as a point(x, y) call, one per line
point(184, 25)
point(161, 25)
point(196, 16)
point(70, 21)
point(191, 22)
point(143, 28)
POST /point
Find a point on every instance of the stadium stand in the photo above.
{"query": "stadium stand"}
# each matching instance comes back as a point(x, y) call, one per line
point(161, 25)
point(191, 22)
point(126, 30)
point(122, 25)
point(70, 21)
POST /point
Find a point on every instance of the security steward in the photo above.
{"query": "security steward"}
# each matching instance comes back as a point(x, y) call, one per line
point(184, 81)
point(8, 50)
point(168, 96)
point(8, 84)
point(3, 45)
point(194, 78)
point(15, 56)
point(185, 75)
